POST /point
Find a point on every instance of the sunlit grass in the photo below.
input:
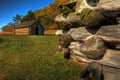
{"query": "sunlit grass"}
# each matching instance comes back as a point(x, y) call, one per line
point(34, 58)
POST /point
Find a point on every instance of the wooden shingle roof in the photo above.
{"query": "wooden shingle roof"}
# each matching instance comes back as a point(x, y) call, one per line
point(26, 23)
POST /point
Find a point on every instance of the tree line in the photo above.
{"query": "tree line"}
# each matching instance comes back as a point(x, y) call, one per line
point(45, 16)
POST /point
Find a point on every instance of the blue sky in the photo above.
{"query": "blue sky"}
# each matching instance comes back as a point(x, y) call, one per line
point(9, 8)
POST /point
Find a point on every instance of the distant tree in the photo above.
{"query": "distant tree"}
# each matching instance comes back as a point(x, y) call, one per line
point(45, 15)
point(17, 18)
point(30, 16)
point(9, 27)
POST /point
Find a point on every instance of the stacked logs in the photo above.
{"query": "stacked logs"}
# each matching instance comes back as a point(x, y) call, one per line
point(93, 37)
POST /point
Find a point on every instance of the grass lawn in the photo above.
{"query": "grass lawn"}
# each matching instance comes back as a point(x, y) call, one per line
point(34, 58)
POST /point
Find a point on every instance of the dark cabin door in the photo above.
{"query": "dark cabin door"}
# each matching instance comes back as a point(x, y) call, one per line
point(37, 30)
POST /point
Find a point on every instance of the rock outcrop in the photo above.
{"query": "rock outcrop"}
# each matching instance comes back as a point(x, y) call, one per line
point(102, 5)
point(92, 36)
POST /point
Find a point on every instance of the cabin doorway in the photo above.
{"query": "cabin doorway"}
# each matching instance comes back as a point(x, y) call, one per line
point(36, 32)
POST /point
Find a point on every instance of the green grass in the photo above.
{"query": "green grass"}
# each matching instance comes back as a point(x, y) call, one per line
point(34, 58)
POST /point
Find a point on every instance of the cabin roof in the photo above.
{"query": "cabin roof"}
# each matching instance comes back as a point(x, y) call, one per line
point(26, 23)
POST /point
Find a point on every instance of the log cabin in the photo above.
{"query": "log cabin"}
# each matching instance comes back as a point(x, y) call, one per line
point(33, 27)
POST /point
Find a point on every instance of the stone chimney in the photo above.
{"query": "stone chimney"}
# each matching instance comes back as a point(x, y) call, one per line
point(19, 21)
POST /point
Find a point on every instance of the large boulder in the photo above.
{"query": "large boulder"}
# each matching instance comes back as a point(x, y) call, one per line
point(80, 34)
point(112, 57)
point(90, 17)
point(109, 8)
point(70, 18)
point(60, 18)
point(71, 31)
point(110, 34)
point(74, 45)
point(70, 21)
point(68, 7)
point(92, 72)
point(102, 5)
point(93, 47)
point(64, 40)
point(73, 18)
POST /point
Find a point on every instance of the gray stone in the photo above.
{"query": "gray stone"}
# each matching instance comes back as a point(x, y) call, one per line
point(118, 20)
point(66, 53)
point(112, 57)
point(110, 34)
point(71, 31)
point(65, 40)
point(92, 18)
point(80, 34)
point(70, 21)
point(74, 45)
point(93, 47)
point(73, 18)
point(111, 73)
point(118, 47)
point(60, 18)
point(59, 32)
point(102, 5)
point(70, 18)
point(92, 72)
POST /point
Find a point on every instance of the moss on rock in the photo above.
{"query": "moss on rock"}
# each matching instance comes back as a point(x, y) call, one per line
point(66, 10)
point(78, 5)
point(89, 17)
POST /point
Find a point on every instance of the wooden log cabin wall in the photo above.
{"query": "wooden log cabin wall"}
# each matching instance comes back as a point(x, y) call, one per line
point(29, 28)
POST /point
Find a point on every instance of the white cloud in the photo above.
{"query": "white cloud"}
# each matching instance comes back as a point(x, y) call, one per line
point(0, 30)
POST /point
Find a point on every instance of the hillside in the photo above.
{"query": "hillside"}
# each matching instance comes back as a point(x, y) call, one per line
point(34, 58)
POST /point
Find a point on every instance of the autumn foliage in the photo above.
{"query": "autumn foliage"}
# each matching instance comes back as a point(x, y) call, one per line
point(45, 15)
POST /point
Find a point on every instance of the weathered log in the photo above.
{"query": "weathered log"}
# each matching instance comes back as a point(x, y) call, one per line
point(110, 33)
